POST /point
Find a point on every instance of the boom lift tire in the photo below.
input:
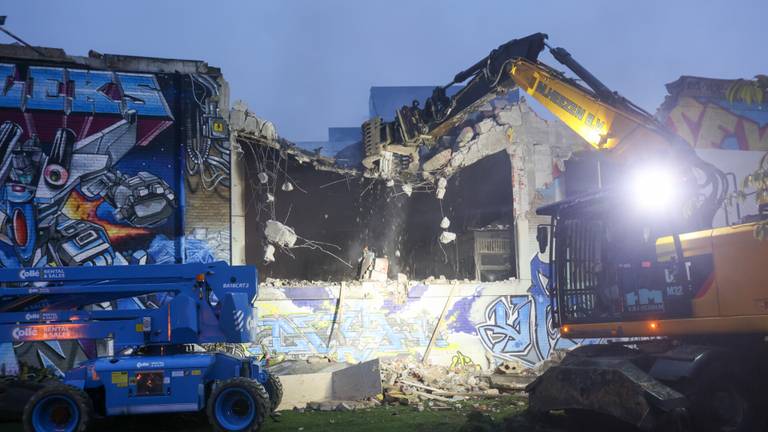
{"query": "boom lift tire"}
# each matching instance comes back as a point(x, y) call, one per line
point(275, 390)
point(238, 404)
point(58, 407)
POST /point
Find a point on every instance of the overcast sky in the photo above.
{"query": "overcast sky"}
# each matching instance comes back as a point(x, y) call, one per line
point(308, 64)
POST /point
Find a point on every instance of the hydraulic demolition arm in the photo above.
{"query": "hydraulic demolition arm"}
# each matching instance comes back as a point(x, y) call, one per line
point(602, 117)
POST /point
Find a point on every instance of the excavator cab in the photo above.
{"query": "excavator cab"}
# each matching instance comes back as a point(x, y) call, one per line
point(606, 266)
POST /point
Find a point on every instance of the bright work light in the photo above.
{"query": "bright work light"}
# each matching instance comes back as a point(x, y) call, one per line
point(653, 188)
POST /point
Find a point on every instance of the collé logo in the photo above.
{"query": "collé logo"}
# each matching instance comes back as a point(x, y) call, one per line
point(26, 273)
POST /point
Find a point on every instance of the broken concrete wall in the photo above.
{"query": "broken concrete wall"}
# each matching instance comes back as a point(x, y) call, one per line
point(349, 212)
point(537, 151)
point(496, 167)
point(484, 323)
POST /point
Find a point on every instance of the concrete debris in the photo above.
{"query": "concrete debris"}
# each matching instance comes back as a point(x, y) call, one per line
point(466, 134)
point(263, 178)
point(438, 161)
point(445, 223)
point(386, 164)
point(287, 186)
point(380, 269)
point(485, 126)
point(280, 234)
point(409, 383)
point(322, 384)
point(342, 406)
point(500, 103)
point(509, 117)
point(447, 237)
point(269, 254)
point(511, 367)
point(245, 122)
point(407, 189)
point(442, 184)
point(511, 382)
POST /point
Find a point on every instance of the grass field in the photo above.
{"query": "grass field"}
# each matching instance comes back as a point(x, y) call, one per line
point(488, 413)
point(504, 414)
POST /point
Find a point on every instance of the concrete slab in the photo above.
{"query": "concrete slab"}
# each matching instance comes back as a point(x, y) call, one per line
point(338, 381)
point(300, 389)
point(357, 382)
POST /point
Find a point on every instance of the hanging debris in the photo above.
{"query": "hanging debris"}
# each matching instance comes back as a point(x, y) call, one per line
point(269, 254)
point(447, 237)
point(280, 234)
point(442, 183)
point(263, 178)
point(270, 198)
point(287, 186)
point(245, 123)
point(445, 223)
point(407, 189)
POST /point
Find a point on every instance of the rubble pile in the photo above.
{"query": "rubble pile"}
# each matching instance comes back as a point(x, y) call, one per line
point(408, 382)
point(431, 386)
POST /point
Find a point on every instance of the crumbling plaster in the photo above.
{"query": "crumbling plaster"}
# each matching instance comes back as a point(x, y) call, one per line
point(537, 150)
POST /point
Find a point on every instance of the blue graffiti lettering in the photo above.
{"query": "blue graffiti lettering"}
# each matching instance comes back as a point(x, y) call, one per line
point(361, 335)
point(508, 331)
point(90, 95)
point(12, 90)
point(46, 86)
point(520, 326)
point(142, 93)
point(82, 91)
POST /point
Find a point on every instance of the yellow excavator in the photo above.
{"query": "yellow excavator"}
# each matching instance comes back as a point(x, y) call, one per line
point(672, 315)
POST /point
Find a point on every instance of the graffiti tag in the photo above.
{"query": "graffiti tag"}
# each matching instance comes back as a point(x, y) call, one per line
point(520, 326)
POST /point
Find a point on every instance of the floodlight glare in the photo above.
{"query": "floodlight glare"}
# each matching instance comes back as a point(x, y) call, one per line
point(653, 188)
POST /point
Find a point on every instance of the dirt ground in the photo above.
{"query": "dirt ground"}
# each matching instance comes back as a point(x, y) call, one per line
point(503, 414)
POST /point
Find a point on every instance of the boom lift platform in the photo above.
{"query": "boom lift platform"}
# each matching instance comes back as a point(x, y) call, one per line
point(157, 366)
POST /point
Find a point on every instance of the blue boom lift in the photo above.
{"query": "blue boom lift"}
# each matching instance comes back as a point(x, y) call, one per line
point(158, 366)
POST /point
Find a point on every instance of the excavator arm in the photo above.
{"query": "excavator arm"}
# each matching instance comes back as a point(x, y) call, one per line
point(602, 117)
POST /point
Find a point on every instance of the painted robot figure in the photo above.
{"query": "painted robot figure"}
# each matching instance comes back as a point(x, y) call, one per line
point(34, 187)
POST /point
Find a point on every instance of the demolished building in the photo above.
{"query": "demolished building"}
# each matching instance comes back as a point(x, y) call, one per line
point(457, 229)
point(456, 223)
point(462, 280)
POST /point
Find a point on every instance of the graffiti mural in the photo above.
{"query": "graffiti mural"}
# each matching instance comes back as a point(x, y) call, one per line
point(720, 114)
point(364, 332)
point(520, 326)
point(90, 170)
point(96, 167)
point(480, 329)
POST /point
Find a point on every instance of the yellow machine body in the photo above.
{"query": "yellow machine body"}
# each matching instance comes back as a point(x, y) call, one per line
point(732, 300)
